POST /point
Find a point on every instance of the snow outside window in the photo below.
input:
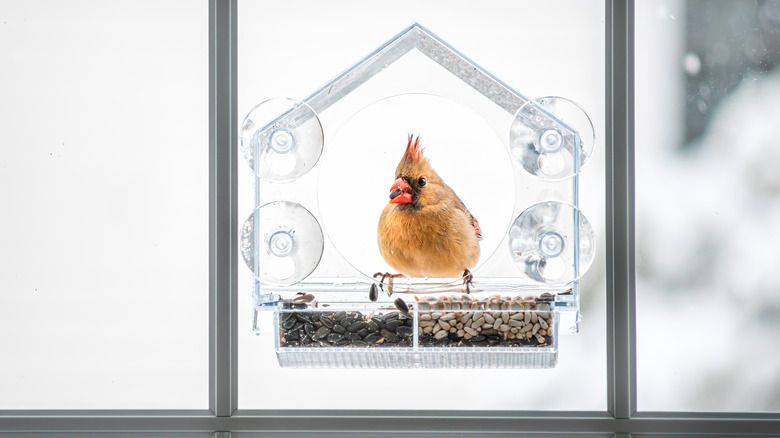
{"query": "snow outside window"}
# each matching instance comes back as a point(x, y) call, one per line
point(708, 205)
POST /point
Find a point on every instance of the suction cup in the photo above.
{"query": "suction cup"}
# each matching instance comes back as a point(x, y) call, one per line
point(281, 139)
point(552, 243)
point(282, 243)
point(551, 138)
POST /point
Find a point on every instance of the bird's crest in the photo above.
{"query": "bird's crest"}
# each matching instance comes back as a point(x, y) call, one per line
point(413, 148)
point(413, 163)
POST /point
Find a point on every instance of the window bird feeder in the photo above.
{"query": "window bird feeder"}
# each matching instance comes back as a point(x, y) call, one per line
point(322, 167)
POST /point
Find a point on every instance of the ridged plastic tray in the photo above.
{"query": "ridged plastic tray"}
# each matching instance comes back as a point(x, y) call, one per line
point(444, 332)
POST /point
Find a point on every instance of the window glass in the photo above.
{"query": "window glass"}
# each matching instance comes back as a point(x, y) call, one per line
point(708, 205)
point(104, 194)
point(290, 49)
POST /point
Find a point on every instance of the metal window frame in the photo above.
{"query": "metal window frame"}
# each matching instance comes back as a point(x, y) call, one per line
point(222, 419)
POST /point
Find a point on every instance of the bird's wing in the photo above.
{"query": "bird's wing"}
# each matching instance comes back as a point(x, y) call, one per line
point(462, 206)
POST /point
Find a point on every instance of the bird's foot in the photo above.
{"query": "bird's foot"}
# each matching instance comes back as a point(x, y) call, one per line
point(468, 277)
point(389, 277)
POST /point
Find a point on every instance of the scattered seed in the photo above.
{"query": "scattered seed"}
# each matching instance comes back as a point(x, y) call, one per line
point(303, 298)
point(401, 306)
point(320, 333)
point(404, 331)
point(327, 321)
point(447, 317)
point(373, 293)
point(335, 337)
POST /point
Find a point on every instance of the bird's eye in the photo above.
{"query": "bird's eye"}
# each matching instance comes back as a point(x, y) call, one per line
point(422, 181)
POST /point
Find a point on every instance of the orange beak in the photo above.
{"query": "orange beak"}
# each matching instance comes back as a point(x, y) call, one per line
point(400, 192)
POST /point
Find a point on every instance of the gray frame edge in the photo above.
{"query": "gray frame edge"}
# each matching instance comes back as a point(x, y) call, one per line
point(382, 424)
point(621, 290)
point(223, 209)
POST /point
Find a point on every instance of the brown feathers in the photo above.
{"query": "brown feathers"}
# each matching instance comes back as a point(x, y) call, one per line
point(431, 234)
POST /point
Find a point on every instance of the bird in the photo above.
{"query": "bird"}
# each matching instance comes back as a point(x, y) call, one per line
point(426, 230)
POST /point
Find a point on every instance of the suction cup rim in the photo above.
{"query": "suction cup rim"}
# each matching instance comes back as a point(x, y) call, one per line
point(281, 139)
point(547, 247)
point(551, 138)
point(288, 246)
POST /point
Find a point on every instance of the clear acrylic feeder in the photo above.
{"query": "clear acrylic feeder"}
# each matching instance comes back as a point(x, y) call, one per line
point(323, 166)
point(436, 332)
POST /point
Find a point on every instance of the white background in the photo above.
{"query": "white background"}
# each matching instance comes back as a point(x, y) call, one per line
point(103, 205)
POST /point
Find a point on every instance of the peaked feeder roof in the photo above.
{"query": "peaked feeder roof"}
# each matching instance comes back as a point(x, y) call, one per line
point(418, 38)
point(421, 39)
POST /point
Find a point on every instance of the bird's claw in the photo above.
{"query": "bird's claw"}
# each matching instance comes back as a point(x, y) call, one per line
point(389, 278)
point(468, 277)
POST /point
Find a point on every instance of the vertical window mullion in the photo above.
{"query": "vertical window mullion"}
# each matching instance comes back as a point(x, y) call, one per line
point(621, 309)
point(223, 196)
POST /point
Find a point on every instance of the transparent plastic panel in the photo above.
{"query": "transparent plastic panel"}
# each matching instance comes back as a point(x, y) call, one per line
point(419, 84)
point(284, 149)
point(104, 194)
point(551, 138)
point(707, 192)
point(444, 331)
point(552, 243)
point(288, 243)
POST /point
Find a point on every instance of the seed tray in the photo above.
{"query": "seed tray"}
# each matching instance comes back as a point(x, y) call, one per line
point(418, 357)
point(350, 329)
point(443, 332)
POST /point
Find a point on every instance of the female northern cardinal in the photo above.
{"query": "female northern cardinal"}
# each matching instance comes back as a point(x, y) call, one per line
point(425, 230)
